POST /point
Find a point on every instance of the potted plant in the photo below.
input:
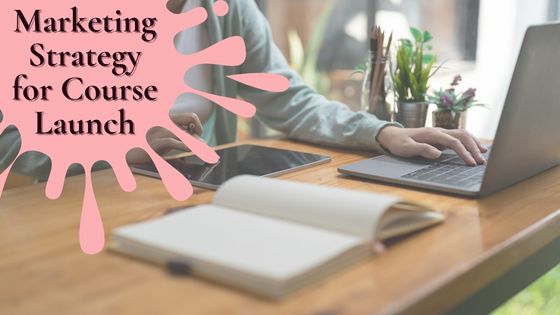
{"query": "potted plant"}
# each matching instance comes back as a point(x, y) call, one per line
point(413, 69)
point(452, 105)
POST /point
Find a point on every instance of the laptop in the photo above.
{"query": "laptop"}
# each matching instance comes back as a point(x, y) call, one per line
point(527, 141)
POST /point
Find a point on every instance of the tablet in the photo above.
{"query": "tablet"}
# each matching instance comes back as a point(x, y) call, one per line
point(235, 161)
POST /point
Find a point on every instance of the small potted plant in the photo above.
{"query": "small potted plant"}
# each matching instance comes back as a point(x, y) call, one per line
point(411, 74)
point(452, 106)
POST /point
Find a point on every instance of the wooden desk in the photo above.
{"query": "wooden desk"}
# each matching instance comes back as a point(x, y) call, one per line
point(15, 181)
point(43, 271)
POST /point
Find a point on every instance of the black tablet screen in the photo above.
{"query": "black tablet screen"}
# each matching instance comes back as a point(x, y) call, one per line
point(239, 160)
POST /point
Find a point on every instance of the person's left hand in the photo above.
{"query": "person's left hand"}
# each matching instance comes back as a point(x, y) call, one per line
point(163, 141)
point(424, 142)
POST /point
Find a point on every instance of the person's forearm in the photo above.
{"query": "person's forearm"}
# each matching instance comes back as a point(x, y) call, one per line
point(315, 119)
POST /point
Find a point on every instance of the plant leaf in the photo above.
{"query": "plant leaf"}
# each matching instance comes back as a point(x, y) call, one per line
point(417, 34)
point(427, 36)
point(360, 67)
point(407, 43)
point(315, 41)
point(297, 52)
point(428, 58)
point(438, 68)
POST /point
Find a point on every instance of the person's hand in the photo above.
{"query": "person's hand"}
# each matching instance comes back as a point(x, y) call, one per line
point(425, 142)
point(163, 141)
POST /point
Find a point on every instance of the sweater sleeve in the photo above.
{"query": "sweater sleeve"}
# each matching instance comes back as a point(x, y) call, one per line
point(300, 112)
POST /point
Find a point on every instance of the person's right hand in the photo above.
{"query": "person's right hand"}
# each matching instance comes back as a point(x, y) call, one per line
point(163, 141)
point(427, 142)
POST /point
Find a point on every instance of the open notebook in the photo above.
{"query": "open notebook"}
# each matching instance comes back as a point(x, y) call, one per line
point(271, 236)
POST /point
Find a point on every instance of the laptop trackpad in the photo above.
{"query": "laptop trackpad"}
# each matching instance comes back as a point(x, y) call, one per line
point(388, 166)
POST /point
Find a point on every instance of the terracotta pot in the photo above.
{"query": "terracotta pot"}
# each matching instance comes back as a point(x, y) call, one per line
point(412, 115)
point(448, 120)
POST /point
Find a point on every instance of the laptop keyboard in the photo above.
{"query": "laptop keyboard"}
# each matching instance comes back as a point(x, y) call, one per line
point(449, 169)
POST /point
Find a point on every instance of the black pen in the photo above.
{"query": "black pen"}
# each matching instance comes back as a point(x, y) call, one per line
point(178, 268)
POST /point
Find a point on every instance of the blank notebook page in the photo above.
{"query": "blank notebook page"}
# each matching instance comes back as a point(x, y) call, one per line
point(242, 241)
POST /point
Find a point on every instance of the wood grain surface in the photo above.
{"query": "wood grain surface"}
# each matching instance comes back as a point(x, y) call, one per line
point(43, 271)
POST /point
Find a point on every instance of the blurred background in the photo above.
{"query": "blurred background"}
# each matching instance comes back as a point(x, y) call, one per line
point(480, 39)
point(324, 40)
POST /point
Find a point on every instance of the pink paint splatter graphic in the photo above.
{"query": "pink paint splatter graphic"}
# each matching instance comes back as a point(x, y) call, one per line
point(159, 64)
